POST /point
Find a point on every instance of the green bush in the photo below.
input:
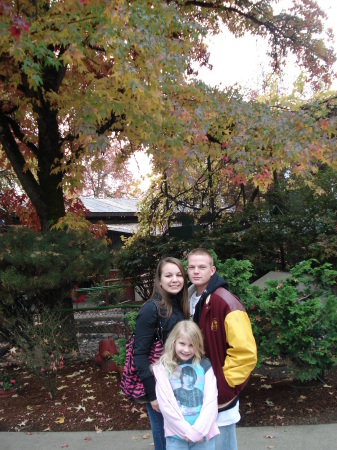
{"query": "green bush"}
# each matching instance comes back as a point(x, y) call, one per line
point(296, 318)
point(42, 269)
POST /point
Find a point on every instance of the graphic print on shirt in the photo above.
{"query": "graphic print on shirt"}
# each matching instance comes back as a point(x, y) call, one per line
point(187, 383)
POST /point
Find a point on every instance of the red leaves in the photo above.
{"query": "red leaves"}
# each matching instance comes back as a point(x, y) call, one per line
point(265, 178)
point(14, 32)
point(18, 205)
point(80, 299)
point(19, 25)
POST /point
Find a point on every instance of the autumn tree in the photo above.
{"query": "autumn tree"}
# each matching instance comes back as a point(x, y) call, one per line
point(74, 75)
point(239, 155)
point(104, 176)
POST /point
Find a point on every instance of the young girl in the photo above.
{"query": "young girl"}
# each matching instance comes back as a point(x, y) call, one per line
point(186, 390)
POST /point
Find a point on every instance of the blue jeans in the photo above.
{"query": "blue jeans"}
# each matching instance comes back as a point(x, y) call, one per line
point(177, 444)
point(226, 440)
point(157, 427)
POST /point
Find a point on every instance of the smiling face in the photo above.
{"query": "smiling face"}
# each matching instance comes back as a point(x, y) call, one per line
point(200, 270)
point(171, 278)
point(184, 348)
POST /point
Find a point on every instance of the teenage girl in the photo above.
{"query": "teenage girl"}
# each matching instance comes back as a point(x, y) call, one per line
point(170, 301)
point(186, 390)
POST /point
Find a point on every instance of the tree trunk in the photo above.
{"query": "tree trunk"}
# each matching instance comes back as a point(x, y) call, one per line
point(43, 188)
point(49, 155)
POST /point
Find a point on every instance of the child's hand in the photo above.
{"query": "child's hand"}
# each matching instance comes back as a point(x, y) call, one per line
point(198, 442)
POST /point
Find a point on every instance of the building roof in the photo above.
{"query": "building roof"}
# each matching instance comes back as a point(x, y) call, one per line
point(111, 206)
point(279, 276)
point(127, 228)
point(272, 275)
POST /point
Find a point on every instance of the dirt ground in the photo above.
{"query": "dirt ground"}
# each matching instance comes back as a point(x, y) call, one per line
point(89, 399)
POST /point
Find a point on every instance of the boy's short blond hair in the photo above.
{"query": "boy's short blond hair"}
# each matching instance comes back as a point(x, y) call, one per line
point(201, 251)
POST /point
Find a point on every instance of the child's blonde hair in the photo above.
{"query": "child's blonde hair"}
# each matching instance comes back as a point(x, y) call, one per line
point(188, 329)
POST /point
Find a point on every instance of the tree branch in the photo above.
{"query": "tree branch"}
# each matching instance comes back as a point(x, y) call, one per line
point(18, 163)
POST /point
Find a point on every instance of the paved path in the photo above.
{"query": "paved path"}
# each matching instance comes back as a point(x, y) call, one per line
point(308, 437)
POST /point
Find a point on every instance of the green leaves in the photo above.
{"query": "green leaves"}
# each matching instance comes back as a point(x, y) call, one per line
point(48, 265)
point(292, 319)
point(81, 73)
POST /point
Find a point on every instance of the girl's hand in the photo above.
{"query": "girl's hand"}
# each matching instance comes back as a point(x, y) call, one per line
point(155, 405)
point(198, 442)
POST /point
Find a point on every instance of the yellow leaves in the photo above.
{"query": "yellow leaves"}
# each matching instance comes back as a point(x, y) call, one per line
point(17, 53)
point(144, 436)
point(72, 221)
point(89, 419)
point(75, 374)
point(79, 408)
point(72, 375)
point(60, 419)
point(23, 423)
point(74, 57)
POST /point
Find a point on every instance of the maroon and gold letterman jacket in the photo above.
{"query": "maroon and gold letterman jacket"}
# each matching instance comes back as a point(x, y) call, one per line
point(228, 339)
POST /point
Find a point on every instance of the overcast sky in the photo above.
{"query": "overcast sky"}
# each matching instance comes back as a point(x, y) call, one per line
point(244, 61)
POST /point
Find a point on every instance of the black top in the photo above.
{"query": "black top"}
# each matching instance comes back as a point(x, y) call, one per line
point(146, 323)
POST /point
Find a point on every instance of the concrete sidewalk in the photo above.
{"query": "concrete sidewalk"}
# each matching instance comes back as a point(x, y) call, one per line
point(307, 437)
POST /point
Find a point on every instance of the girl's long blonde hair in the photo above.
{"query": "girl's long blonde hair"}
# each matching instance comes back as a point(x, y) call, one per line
point(188, 329)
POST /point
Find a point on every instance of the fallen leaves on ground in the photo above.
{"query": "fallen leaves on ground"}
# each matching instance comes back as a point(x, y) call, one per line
point(73, 409)
point(287, 402)
point(60, 420)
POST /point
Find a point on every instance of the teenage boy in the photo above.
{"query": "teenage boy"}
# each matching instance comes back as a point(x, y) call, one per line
point(228, 338)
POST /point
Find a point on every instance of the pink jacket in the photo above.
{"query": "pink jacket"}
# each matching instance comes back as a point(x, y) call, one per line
point(174, 422)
